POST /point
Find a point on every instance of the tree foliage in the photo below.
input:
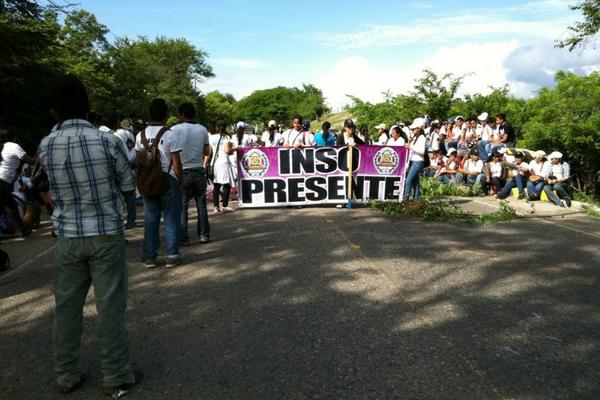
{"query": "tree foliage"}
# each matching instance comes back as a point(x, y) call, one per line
point(219, 106)
point(125, 75)
point(281, 104)
point(567, 119)
point(582, 31)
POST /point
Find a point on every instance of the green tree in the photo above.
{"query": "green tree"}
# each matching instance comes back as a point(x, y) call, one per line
point(567, 119)
point(582, 31)
point(166, 68)
point(28, 43)
point(281, 104)
point(84, 52)
point(436, 94)
point(219, 106)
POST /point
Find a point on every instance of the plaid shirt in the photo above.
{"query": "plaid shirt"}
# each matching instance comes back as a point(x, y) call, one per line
point(87, 170)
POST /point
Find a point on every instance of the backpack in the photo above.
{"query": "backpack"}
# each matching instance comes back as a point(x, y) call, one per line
point(151, 180)
point(39, 178)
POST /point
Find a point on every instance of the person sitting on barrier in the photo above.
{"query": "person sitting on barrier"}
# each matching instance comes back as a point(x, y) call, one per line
point(517, 176)
point(539, 169)
point(471, 172)
point(558, 181)
point(496, 173)
point(436, 163)
point(447, 174)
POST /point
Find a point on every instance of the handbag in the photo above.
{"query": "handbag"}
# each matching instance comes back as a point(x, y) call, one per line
point(210, 169)
point(39, 178)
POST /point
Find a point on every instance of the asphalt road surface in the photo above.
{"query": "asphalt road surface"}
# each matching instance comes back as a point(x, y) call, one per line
point(322, 303)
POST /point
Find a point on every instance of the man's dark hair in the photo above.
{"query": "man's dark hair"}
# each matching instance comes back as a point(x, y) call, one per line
point(68, 98)
point(221, 124)
point(94, 118)
point(187, 110)
point(158, 110)
point(110, 118)
point(501, 116)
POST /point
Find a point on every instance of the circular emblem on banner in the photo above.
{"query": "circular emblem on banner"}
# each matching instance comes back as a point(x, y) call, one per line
point(255, 163)
point(385, 161)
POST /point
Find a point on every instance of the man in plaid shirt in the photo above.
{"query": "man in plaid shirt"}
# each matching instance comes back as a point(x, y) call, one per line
point(89, 173)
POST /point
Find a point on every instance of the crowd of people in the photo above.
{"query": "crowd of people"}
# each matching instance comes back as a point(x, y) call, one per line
point(93, 164)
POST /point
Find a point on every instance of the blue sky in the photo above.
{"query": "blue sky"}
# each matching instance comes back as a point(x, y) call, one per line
point(358, 47)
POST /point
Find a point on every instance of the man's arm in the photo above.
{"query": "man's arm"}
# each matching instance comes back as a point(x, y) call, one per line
point(177, 167)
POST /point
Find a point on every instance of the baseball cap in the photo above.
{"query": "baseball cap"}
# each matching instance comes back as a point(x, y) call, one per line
point(272, 123)
point(381, 126)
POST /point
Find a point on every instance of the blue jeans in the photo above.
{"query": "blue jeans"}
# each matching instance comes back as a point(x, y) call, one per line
point(484, 149)
point(170, 203)
point(412, 180)
point(518, 181)
point(194, 187)
point(131, 210)
point(471, 179)
point(534, 189)
point(562, 190)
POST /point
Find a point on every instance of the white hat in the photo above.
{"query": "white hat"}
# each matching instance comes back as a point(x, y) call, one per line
point(451, 150)
point(460, 116)
point(539, 153)
point(555, 154)
point(417, 123)
point(392, 127)
point(483, 116)
point(240, 124)
point(272, 123)
point(381, 126)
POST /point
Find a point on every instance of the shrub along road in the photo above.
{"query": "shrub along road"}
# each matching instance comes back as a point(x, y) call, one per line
point(321, 303)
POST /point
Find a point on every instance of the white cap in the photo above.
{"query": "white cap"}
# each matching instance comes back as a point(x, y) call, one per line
point(539, 153)
point(555, 154)
point(451, 150)
point(381, 126)
point(483, 116)
point(417, 123)
point(272, 123)
point(240, 124)
point(460, 116)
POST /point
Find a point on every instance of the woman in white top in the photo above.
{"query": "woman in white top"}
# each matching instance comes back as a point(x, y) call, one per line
point(222, 147)
point(539, 169)
point(397, 137)
point(416, 159)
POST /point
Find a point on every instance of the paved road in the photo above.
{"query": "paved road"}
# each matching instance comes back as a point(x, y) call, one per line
point(321, 303)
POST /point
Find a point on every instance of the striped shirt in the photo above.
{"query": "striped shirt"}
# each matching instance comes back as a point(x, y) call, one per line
point(87, 170)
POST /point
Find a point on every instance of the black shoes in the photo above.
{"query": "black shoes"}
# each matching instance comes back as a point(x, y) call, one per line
point(72, 387)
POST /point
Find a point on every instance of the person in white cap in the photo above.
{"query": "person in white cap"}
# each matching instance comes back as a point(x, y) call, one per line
point(558, 181)
point(397, 137)
point(271, 137)
point(383, 134)
point(484, 134)
point(416, 159)
point(539, 169)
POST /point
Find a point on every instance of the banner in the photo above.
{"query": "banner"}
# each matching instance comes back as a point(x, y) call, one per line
point(279, 176)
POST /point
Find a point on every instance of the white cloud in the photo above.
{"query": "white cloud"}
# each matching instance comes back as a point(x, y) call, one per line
point(245, 63)
point(420, 5)
point(469, 24)
point(359, 77)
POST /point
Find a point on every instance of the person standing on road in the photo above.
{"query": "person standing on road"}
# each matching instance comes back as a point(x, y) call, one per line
point(169, 202)
point(89, 174)
point(416, 160)
point(221, 147)
point(193, 141)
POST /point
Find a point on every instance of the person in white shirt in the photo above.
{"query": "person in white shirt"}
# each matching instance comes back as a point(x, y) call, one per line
point(128, 139)
point(447, 174)
point(471, 172)
point(416, 159)
point(383, 134)
point(297, 136)
point(271, 137)
point(517, 176)
point(222, 166)
point(193, 140)
point(11, 155)
point(397, 137)
point(558, 181)
point(539, 169)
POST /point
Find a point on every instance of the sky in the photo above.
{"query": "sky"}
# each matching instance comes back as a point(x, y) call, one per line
point(361, 48)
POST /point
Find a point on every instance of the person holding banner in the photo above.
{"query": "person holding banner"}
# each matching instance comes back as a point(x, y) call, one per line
point(349, 136)
point(298, 136)
point(416, 158)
